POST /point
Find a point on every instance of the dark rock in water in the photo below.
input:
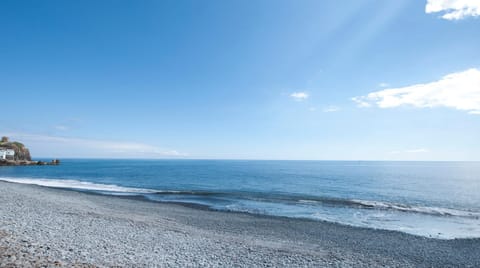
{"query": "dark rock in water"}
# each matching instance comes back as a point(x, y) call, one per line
point(6, 162)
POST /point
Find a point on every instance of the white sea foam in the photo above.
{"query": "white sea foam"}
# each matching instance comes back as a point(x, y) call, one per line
point(373, 214)
point(79, 185)
point(419, 209)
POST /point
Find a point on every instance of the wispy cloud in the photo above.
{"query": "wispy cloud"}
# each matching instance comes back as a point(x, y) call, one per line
point(71, 147)
point(459, 91)
point(416, 151)
point(361, 101)
point(68, 124)
point(454, 9)
point(411, 151)
point(331, 109)
point(299, 96)
point(383, 84)
point(61, 127)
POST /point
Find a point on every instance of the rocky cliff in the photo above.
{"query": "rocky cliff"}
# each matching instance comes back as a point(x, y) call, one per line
point(21, 152)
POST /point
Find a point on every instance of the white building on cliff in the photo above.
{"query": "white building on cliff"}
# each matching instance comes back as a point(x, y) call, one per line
point(7, 154)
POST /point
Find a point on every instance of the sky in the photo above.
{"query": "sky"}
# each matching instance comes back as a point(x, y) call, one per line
point(266, 79)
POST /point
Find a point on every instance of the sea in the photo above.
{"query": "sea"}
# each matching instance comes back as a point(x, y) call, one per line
point(431, 199)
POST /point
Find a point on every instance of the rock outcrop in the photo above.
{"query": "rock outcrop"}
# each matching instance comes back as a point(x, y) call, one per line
point(21, 157)
point(21, 152)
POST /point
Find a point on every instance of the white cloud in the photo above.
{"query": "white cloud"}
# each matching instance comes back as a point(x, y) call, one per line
point(454, 9)
point(312, 109)
point(383, 84)
point(361, 102)
point(79, 147)
point(331, 109)
point(459, 91)
point(411, 151)
point(299, 96)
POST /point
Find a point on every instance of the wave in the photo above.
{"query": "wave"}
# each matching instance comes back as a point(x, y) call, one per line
point(330, 201)
point(436, 211)
point(283, 198)
point(78, 185)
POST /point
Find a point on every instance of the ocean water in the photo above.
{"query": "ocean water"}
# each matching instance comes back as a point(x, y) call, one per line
point(432, 199)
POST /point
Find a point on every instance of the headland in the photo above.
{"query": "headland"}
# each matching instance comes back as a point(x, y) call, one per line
point(14, 153)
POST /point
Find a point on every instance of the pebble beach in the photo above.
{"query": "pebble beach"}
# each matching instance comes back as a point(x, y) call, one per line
point(46, 227)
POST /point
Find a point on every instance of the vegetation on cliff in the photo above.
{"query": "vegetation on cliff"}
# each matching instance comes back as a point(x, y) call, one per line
point(21, 152)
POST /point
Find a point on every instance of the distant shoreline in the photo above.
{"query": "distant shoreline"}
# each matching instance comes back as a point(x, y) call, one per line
point(82, 228)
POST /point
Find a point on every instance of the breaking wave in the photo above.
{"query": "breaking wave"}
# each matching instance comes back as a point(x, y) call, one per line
point(78, 185)
point(282, 198)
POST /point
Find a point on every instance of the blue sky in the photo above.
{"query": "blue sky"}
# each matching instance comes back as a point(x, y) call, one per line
point(360, 80)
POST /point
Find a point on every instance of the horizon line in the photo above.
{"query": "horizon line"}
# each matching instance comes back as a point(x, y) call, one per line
point(250, 159)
